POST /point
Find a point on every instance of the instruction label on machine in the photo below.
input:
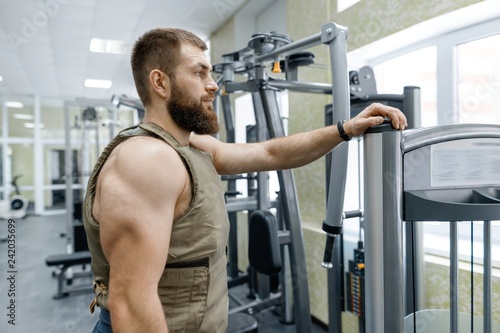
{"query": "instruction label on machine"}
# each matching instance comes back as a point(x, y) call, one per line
point(470, 162)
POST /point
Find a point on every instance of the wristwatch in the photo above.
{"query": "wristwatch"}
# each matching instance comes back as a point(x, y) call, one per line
point(342, 133)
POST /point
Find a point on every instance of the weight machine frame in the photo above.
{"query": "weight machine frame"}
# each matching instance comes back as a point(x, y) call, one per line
point(262, 49)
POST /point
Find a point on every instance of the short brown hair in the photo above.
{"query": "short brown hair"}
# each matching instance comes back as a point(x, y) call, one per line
point(159, 49)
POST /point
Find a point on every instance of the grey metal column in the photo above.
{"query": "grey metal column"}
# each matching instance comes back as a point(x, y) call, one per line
point(264, 283)
point(335, 37)
point(68, 170)
point(291, 218)
point(453, 277)
point(383, 232)
point(262, 135)
point(414, 267)
point(336, 272)
point(487, 277)
point(232, 269)
point(411, 106)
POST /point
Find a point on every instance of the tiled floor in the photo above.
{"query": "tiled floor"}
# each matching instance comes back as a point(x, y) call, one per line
point(35, 309)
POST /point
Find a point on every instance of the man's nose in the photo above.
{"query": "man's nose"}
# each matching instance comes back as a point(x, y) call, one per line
point(212, 85)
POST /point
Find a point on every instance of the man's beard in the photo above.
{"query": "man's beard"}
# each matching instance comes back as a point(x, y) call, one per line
point(190, 114)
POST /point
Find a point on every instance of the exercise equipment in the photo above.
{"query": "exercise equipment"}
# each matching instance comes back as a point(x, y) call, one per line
point(64, 262)
point(363, 92)
point(429, 174)
point(89, 125)
point(16, 205)
point(284, 54)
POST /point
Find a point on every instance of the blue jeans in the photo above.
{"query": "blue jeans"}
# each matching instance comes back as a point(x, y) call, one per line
point(104, 323)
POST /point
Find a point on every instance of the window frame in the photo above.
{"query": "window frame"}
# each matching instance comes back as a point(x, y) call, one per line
point(446, 72)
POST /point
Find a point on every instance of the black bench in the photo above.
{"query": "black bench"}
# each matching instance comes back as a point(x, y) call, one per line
point(64, 262)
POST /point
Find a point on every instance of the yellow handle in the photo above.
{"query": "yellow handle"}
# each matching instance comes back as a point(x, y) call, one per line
point(276, 68)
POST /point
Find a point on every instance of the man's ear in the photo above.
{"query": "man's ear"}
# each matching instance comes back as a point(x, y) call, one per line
point(160, 83)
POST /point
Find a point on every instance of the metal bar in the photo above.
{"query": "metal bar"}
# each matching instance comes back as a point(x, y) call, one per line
point(392, 197)
point(284, 237)
point(411, 106)
point(232, 269)
point(335, 274)
point(69, 177)
point(309, 87)
point(6, 165)
point(341, 111)
point(487, 277)
point(374, 256)
point(429, 136)
point(261, 135)
point(453, 277)
point(291, 217)
point(263, 281)
point(240, 204)
point(383, 232)
point(414, 272)
point(291, 48)
point(337, 167)
point(228, 118)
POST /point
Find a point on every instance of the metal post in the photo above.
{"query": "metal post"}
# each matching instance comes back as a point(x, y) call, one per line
point(233, 270)
point(411, 106)
point(336, 273)
point(264, 283)
point(335, 37)
point(383, 232)
point(487, 277)
point(453, 277)
point(291, 217)
point(68, 161)
point(341, 111)
point(414, 267)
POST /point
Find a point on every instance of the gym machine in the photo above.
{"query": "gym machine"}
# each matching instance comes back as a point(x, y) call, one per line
point(347, 284)
point(89, 125)
point(286, 55)
point(446, 173)
point(16, 204)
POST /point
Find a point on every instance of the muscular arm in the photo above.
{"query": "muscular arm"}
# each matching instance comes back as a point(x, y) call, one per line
point(294, 150)
point(135, 212)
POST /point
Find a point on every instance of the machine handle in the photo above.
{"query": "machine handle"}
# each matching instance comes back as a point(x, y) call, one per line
point(327, 256)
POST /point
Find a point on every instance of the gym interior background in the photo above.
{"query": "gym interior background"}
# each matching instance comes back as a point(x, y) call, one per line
point(448, 48)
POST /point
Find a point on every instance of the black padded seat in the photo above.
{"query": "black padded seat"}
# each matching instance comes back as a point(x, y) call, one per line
point(263, 243)
point(70, 259)
point(65, 262)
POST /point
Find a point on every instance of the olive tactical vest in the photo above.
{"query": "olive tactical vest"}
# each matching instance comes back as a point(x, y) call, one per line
point(193, 287)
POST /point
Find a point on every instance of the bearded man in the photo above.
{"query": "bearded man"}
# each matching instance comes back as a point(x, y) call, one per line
point(154, 213)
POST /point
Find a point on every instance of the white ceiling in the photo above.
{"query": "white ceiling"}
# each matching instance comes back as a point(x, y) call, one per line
point(44, 44)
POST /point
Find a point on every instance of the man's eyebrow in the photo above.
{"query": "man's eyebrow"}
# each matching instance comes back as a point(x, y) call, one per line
point(204, 66)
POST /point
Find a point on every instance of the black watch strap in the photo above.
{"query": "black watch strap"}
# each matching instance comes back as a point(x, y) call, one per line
point(342, 133)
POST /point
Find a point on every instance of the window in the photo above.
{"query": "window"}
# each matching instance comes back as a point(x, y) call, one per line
point(417, 68)
point(459, 75)
point(478, 89)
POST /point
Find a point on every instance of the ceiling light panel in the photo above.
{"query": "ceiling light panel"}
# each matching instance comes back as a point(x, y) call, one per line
point(93, 83)
point(111, 46)
point(14, 104)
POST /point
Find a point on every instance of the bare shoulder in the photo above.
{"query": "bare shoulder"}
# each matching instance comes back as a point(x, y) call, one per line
point(141, 174)
point(146, 153)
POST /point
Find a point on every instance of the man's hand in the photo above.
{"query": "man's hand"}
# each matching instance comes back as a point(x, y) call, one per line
point(374, 115)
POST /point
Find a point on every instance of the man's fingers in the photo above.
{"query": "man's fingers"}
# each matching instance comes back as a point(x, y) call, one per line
point(398, 119)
